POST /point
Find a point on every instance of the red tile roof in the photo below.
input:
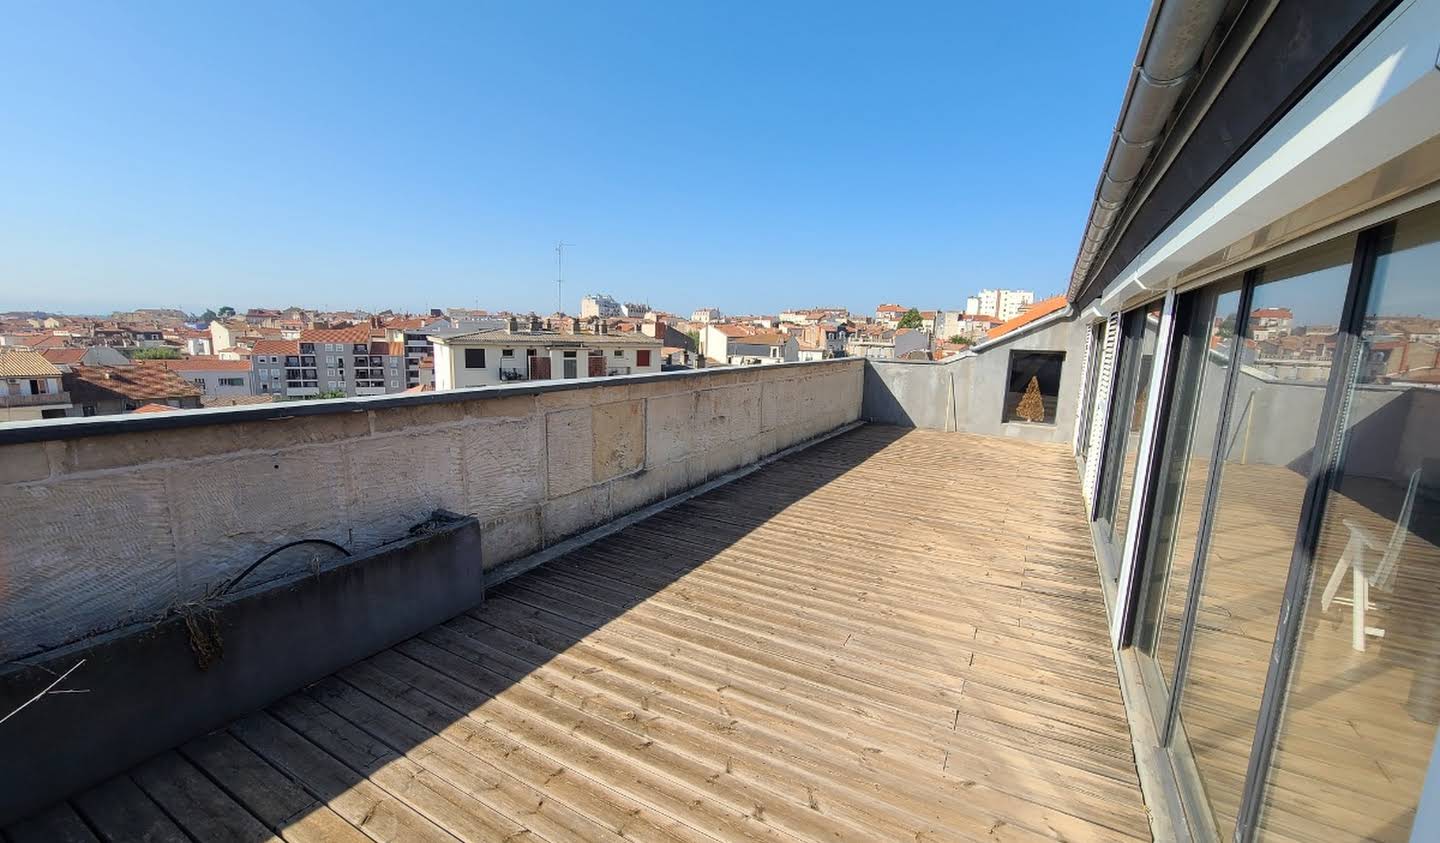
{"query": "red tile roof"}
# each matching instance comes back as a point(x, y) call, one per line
point(64, 356)
point(733, 330)
point(356, 334)
point(143, 382)
point(26, 364)
point(275, 347)
point(1031, 314)
point(155, 408)
point(891, 308)
point(47, 341)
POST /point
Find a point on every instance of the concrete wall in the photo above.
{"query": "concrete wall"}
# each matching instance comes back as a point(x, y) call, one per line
point(967, 392)
point(106, 527)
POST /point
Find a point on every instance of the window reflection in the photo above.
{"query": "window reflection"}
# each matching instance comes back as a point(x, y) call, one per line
point(1202, 362)
point(1274, 413)
point(1364, 698)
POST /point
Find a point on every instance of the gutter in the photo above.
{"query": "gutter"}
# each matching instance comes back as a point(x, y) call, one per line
point(1170, 51)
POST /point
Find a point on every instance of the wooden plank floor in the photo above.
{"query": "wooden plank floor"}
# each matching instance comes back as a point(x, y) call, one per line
point(893, 635)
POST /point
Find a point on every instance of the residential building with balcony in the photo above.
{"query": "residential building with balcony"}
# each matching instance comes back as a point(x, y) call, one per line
point(30, 387)
point(599, 305)
point(353, 361)
point(530, 353)
point(1102, 576)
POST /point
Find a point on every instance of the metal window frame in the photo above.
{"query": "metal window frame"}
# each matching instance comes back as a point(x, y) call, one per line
point(1207, 511)
point(1329, 436)
point(1142, 489)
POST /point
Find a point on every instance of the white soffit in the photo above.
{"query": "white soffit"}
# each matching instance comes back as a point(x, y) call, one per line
point(1382, 100)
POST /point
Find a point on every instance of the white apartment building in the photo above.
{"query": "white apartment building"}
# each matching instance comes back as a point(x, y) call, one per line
point(599, 304)
point(1002, 304)
point(705, 315)
point(495, 356)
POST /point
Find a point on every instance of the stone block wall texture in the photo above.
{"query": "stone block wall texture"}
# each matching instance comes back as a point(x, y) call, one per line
point(107, 530)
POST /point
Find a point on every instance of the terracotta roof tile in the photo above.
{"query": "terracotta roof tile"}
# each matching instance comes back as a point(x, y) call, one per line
point(26, 364)
point(356, 334)
point(64, 356)
point(1031, 314)
point(143, 382)
point(275, 347)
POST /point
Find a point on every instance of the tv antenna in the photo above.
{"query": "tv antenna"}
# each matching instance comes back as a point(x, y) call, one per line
point(560, 274)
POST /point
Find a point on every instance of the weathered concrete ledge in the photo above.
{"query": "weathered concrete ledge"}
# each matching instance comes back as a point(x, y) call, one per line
point(148, 687)
point(114, 521)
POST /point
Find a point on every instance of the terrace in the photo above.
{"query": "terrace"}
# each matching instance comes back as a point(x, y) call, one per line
point(714, 607)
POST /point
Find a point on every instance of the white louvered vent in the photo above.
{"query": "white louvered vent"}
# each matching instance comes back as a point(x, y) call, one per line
point(1080, 407)
point(1102, 408)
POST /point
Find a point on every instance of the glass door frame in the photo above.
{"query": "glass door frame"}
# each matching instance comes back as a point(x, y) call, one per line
point(1327, 446)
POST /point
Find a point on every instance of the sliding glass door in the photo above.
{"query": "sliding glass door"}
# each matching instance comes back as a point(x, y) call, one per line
point(1287, 621)
point(1273, 409)
point(1204, 352)
point(1363, 698)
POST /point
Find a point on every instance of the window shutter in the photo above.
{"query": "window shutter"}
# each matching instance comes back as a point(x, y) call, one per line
point(1101, 410)
point(1080, 399)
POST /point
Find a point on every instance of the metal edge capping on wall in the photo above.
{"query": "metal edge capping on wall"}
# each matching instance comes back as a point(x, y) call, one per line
point(12, 433)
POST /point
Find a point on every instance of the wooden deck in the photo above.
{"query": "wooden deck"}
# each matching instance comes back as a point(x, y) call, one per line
point(893, 635)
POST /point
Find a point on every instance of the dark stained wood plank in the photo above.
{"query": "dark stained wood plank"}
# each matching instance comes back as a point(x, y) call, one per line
point(205, 811)
point(119, 811)
point(360, 801)
point(276, 800)
point(58, 824)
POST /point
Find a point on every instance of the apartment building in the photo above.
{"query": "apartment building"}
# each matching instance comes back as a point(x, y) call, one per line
point(705, 315)
point(599, 305)
point(528, 351)
point(351, 361)
point(1001, 304)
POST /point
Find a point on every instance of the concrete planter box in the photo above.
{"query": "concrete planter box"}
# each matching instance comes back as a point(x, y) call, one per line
point(145, 689)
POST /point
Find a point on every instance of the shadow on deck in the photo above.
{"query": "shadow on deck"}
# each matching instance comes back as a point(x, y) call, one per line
point(895, 634)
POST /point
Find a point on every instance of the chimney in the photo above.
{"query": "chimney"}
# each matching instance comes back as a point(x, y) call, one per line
point(534, 322)
point(513, 326)
point(604, 326)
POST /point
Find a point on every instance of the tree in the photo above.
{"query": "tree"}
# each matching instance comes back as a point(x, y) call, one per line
point(911, 319)
point(155, 354)
point(332, 393)
point(1031, 407)
point(960, 339)
point(226, 311)
point(208, 316)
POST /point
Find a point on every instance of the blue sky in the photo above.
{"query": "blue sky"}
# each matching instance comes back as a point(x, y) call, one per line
point(750, 156)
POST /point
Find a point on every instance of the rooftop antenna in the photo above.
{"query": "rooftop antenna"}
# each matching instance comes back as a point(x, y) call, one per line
point(560, 274)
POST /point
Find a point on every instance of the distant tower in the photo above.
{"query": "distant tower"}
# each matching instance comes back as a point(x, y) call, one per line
point(560, 275)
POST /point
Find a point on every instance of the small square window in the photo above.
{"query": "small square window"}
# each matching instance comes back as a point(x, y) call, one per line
point(507, 352)
point(619, 353)
point(1033, 389)
point(474, 358)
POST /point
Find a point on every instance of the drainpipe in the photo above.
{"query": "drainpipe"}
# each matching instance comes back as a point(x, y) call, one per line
point(1170, 51)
